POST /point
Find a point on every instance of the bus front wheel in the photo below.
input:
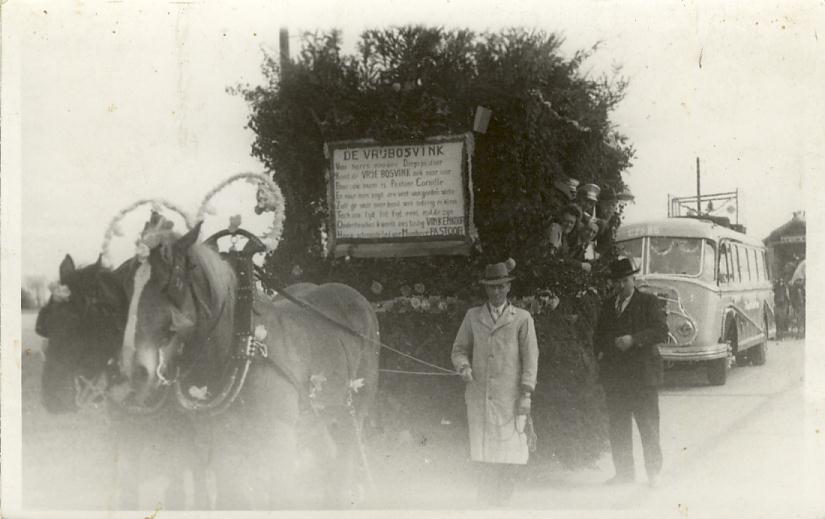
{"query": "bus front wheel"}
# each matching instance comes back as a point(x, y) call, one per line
point(718, 371)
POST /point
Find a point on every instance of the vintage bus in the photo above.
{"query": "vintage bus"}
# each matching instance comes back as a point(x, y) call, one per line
point(716, 285)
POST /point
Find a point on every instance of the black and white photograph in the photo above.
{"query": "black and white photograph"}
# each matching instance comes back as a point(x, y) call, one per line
point(444, 257)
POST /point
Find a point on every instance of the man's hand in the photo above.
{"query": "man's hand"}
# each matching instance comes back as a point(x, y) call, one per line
point(466, 373)
point(587, 267)
point(624, 342)
point(523, 406)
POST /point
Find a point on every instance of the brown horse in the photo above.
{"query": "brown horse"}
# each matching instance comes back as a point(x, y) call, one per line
point(84, 323)
point(181, 328)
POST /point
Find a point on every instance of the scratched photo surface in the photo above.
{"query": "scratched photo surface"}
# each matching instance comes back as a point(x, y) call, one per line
point(134, 123)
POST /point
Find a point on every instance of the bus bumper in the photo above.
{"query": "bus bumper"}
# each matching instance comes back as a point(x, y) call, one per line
point(693, 353)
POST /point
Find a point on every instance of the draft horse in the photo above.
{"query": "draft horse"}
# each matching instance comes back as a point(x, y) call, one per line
point(181, 332)
point(84, 322)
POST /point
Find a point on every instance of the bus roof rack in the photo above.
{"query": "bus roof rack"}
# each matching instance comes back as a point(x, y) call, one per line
point(724, 221)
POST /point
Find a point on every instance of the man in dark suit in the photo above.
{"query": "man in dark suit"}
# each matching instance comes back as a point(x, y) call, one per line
point(631, 324)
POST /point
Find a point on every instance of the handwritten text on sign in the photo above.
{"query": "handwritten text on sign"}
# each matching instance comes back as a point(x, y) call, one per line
point(399, 191)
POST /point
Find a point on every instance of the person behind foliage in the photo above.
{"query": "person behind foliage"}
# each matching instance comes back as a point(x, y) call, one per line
point(562, 236)
point(608, 221)
point(496, 353)
point(587, 197)
point(585, 250)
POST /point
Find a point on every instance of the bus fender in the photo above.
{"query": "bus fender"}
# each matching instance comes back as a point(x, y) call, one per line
point(728, 324)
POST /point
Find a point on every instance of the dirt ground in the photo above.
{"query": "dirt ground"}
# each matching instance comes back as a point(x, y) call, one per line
point(416, 447)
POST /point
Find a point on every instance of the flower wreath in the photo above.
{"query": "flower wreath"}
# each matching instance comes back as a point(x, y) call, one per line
point(269, 199)
point(114, 229)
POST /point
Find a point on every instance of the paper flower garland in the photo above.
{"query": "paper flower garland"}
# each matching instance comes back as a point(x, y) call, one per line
point(268, 197)
point(114, 229)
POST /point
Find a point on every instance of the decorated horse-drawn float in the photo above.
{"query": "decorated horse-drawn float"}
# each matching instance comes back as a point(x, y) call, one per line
point(186, 349)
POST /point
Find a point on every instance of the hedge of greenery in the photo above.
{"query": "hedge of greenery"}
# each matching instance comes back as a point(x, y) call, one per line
point(550, 122)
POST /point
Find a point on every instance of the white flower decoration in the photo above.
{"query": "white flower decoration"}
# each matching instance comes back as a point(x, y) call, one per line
point(260, 332)
point(199, 393)
point(356, 384)
point(142, 251)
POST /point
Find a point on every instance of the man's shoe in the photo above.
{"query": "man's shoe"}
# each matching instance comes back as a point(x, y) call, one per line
point(654, 481)
point(620, 480)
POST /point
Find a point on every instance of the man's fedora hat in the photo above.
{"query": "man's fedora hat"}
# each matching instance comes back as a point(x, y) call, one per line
point(590, 192)
point(498, 273)
point(622, 267)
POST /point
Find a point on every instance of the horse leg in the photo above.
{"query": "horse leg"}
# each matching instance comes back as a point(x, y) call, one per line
point(126, 459)
point(125, 488)
point(339, 484)
point(280, 467)
point(229, 478)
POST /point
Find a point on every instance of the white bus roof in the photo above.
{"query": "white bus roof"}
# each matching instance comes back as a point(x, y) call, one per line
point(683, 228)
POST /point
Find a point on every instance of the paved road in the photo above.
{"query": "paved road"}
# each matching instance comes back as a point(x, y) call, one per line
point(728, 448)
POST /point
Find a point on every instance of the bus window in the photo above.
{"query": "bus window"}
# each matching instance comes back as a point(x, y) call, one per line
point(679, 256)
point(631, 249)
point(741, 255)
point(756, 271)
point(724, 264)
point(734, 264)
point(709, 261)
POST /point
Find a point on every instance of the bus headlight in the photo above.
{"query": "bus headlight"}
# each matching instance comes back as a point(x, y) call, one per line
point(681, 328)
point(686, 330)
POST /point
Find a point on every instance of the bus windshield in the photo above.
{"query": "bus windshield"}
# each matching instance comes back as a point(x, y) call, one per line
point(631, 249)
point(678, 256)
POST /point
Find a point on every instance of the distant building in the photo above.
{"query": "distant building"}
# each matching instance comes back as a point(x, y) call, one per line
point(786, 244)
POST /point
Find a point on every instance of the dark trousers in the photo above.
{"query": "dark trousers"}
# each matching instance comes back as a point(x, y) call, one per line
point(496, 482)
point(641, 403)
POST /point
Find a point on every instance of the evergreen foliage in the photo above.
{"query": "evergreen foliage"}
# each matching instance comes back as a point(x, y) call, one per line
point(550, 121)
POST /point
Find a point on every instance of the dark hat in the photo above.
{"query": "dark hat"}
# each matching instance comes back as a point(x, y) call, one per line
point(622, 267)
point(498, 273)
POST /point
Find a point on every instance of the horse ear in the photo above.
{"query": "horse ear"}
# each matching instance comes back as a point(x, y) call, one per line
point(190, 238)
point(66, 268)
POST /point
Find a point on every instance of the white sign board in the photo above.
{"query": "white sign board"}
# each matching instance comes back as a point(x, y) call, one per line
point(410, 198)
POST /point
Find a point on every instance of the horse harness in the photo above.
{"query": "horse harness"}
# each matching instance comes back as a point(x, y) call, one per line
point(247, 348)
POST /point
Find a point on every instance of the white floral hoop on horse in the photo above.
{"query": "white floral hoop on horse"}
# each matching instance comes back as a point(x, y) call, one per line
point(269, 199)
point(114, 229)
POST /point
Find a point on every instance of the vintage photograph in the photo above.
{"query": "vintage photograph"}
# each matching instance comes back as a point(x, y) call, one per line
point(441, 256)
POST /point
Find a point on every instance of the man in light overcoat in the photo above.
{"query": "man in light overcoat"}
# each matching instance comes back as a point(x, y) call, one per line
point(496, 353)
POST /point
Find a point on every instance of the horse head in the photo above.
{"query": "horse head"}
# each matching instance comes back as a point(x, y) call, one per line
point(180, 313)
point(83, 323)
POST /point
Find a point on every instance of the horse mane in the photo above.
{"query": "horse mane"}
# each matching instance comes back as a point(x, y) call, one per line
point(214, 286)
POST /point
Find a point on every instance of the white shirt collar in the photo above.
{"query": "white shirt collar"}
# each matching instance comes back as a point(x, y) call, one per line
point(498, 310)
point(624, 302)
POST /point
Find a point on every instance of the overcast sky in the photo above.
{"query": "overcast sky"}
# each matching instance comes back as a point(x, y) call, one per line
point(121, 101)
